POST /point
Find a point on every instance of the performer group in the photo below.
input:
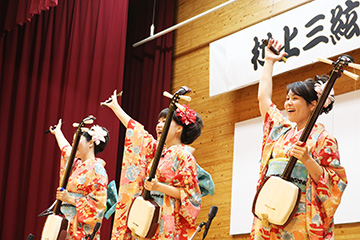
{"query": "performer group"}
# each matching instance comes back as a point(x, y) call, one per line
point(180, 183)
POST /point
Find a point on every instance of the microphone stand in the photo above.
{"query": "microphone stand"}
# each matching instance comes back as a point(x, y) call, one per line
point(30, 237)
point(198, 229)
point(92, 235)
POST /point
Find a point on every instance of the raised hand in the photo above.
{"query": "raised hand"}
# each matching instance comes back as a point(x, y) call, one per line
point(56, 128)
point(270, 55)
point(111, 102)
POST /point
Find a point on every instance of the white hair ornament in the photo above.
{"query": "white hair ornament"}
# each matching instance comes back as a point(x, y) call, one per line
point(97, 134)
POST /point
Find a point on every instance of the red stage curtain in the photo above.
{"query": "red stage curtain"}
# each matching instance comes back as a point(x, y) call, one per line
point(61, 65)
point(15, 12)
point(148, 66)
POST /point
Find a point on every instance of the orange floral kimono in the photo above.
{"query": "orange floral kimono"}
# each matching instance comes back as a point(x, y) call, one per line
point(318, 202)
point(177, 167)
point(88, 183)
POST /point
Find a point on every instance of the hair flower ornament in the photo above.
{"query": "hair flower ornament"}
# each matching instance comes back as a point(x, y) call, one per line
point(188, 116)
point(319, 88)
point(97, 134)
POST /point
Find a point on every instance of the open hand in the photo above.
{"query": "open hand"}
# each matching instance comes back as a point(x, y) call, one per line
point(269, 55)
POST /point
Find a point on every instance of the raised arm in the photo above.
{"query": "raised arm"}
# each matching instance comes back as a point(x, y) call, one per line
point(119, 112)
point(265, 84)
point(60, 138)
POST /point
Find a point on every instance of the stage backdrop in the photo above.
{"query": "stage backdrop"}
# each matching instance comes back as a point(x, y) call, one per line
point(60, 65)
point(342, 122)
point(322, 28)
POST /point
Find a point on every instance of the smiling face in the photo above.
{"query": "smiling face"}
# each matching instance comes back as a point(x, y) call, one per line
point(160, 126)
point(297, 109)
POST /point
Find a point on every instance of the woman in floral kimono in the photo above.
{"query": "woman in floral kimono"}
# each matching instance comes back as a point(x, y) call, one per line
point(318, 172)
point(175, 188)
point(84, 199)
point(206, 184)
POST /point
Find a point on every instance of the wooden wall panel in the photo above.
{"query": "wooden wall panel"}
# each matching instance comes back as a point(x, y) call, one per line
point(214, 148)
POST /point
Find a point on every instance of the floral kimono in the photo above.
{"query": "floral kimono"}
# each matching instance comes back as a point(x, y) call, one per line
point(88, 183)
point(318, 202)
point(177, 167)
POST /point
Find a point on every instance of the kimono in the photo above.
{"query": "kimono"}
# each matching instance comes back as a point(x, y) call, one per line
point(314, 218)
point(88, 183)
point(177, 167)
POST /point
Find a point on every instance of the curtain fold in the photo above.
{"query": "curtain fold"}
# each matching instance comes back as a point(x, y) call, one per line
point(61, 65)
point(18, 12)
point(148, 67)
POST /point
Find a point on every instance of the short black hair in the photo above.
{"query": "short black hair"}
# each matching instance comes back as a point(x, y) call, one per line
point(191, 131)
point(163, 113)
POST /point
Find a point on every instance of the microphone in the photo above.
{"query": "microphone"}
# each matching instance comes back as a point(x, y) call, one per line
point(212, 214)
point(96, 228)
point(198, 229)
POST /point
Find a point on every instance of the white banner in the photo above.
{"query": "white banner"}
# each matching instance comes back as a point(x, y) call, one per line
point(322, 28)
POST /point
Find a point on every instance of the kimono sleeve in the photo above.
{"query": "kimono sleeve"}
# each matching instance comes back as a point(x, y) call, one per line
point(275, 124)
point(186, 179)
point(91, 207)
point(139, 150)
point(65, 154)
point(326, 195)
point(139, 144)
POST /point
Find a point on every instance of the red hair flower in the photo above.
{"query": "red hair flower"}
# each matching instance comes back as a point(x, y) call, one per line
point(187, 116)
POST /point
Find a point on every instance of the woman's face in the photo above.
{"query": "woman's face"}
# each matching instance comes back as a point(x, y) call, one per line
point(160, 126)
point(297, 109)
point(83, 148)
point(174, 134)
